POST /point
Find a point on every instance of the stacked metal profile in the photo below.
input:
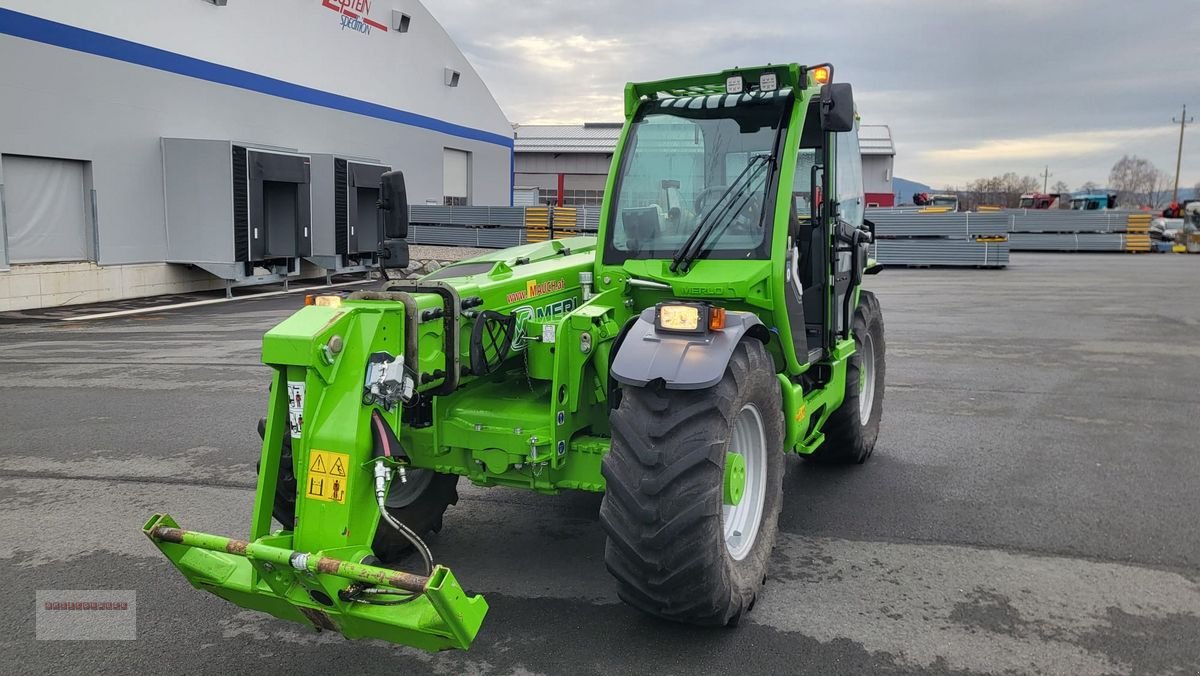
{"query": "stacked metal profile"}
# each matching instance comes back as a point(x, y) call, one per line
point(906, 237)
point(1077, 231)
point(486, 227)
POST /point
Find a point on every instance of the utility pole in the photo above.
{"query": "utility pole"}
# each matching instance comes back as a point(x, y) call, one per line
point(1046, 180)
point(1183, 120)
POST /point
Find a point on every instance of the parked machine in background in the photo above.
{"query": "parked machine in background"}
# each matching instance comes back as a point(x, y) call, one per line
point(939, 201)
point(1189, 234)
point(1037, 200)
point(1094, 201)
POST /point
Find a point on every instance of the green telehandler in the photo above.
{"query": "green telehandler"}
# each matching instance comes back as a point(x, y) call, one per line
point(715, 325)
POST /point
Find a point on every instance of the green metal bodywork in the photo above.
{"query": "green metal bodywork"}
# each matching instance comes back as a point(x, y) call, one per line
point(540, 422)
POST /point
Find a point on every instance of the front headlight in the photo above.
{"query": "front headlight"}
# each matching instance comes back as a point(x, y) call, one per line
point(679, 318)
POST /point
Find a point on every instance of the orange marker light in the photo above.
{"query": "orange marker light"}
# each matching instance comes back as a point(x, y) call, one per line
point(716, 318)
point(309, 299)
point(820, 74)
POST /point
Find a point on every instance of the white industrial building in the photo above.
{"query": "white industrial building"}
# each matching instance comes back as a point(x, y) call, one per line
point(160, 146)
point(878, 161)
point(566, 164)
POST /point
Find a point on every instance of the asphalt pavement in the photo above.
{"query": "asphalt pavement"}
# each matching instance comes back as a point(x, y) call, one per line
point(1032, 505)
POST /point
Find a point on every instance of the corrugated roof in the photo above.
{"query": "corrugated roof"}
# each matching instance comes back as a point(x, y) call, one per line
point(567, 138)
point(875, 139)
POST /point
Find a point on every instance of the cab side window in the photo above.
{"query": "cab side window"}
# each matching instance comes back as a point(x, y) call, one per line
point(849, 178)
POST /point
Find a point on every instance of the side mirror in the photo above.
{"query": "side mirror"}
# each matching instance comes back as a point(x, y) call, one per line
point(393, 205)
point(393, 254)
point(837, 107)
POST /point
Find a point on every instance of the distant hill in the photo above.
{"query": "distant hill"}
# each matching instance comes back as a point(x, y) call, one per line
point(905, 188)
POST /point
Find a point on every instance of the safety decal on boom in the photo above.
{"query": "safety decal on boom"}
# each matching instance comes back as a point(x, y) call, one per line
point(295, 392)
point(327, 479)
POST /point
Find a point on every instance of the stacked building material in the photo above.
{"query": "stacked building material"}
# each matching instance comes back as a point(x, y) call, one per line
point(487, 227)
point(1137, 233)
point(950, 239)
point(1078, 231)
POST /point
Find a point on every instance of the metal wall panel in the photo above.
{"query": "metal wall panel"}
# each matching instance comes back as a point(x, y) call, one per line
point(198, 189)
point(3, 231)
point(47, 209)
point(129, 107)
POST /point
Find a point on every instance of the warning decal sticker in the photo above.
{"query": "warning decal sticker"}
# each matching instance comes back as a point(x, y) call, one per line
point(295, 393)
point(326, 479)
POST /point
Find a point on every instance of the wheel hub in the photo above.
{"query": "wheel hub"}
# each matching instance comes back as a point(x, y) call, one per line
point(735, 478)
point(745, 464)
point(866, 378)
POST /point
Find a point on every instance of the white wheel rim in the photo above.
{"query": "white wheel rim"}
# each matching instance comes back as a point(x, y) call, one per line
point(742, 521)
point(866, 379)
point(403, 494)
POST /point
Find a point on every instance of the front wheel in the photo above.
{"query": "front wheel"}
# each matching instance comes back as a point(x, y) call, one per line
point(676, 545)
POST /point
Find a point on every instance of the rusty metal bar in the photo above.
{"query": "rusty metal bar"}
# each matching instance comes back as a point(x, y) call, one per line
point(357, 572)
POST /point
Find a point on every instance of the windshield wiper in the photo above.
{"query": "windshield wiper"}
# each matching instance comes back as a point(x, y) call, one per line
point(712, 221)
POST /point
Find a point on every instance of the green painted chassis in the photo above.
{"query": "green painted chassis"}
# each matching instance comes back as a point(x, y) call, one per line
point(540, 422)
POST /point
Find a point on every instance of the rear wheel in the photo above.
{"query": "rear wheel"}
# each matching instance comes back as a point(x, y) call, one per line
point(677, 550)
point(418, 503)
point(852, 429)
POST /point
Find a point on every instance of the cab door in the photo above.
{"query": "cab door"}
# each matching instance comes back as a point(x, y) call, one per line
point(851, 201)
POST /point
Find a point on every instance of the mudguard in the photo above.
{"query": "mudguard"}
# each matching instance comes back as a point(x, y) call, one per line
point(683, 361)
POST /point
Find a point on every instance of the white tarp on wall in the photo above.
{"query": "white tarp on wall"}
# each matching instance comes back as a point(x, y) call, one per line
point(46, 209)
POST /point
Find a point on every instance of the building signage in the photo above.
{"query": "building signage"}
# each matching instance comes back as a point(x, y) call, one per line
point(354, 15)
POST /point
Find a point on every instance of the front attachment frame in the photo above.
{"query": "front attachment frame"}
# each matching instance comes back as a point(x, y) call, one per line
point(316, 588)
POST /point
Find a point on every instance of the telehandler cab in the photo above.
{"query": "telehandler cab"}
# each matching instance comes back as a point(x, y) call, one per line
point(715, 325)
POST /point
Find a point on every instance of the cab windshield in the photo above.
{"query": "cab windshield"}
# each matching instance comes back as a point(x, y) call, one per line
point(698, 162)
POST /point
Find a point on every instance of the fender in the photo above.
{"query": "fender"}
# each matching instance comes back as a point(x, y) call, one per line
point(682, 361)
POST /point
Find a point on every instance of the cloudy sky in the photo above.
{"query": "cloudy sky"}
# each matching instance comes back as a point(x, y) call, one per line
point(969, 87)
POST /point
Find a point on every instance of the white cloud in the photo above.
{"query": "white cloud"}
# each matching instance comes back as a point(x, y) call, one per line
point(969, 88)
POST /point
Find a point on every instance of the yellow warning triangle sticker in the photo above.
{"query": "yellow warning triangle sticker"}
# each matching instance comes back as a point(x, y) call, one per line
point(338, 470)
point(318, 465)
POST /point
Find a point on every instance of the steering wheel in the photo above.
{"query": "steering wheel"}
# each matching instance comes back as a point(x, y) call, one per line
point(744, 221)
point(702, 197)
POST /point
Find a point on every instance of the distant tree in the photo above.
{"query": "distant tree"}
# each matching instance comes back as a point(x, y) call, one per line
point(1138, 182)
point(1060, 187)
point(1001, 191)
point(1090, 186)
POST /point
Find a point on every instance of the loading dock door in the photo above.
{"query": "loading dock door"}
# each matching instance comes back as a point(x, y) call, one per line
point(279, 205)
point(46, 208)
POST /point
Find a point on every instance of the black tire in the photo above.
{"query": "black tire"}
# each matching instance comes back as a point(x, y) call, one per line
point(423, 515)
point(848, 438)
point(662, 509)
